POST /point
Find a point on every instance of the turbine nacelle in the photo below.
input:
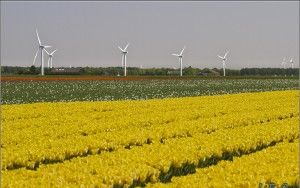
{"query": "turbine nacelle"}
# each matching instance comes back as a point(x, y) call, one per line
point(181, 53)
point(124, 50)
point(223, 57)
point(180, 56)
point(43, 47)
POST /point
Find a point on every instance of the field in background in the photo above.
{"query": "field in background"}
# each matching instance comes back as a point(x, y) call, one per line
point(16, 90)
point(237, 140)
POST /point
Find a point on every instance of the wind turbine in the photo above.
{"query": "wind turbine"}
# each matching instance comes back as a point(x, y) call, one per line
point(283, 63)
point(50, 55)
point(124, 52)
point(180, 59)
point(41, 49)
point(223, 61)
point(292, 63)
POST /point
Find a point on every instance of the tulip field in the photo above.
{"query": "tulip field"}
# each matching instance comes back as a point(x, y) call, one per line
point(150, 133)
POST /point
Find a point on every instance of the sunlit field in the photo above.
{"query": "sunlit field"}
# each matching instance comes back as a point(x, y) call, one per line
point(231, 140)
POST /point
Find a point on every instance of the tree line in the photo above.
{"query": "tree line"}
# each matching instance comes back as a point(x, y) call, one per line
point(135, 71)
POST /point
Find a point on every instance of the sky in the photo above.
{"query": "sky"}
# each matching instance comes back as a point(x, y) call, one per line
point(257, 34)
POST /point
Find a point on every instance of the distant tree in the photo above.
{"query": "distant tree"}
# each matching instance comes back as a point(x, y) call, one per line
point(206, 70)
point(82, 70)
point(190, 71)
point(20, 71)
point(231, 72)
point(32, 69)
point(132, 71)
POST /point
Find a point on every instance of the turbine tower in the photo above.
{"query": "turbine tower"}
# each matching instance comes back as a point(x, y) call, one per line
point(283, 63)
point(41, 48)
point(292, 63)
point(50, 55)
point(180, 59)
point(223, 61)
point(124, 52)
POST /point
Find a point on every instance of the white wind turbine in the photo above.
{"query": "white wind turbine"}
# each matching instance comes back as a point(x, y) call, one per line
point(292, 63)
point(41, 49)
point(124, 52)
point(180, 59)
point(283, 63)
point(50, 55)
point(223, 61)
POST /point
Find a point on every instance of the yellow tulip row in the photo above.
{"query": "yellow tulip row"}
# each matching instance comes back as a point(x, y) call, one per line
point(42, 133)
point(156, 162)
point(277, 165)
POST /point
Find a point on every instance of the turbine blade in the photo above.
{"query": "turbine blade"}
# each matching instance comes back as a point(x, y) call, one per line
point(220, 57)
point(53, 52)
point(35, 56)
point(226, 54)
point(46, 51)
point(120, 48)
point(47, 46)
point(175, 55)
point(126, 47)
point(182, 50)
point(37, 34)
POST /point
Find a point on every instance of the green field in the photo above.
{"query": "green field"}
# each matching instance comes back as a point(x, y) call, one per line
point(53, 91)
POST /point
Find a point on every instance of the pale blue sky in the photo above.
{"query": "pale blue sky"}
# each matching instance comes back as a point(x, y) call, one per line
point(258, 34)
